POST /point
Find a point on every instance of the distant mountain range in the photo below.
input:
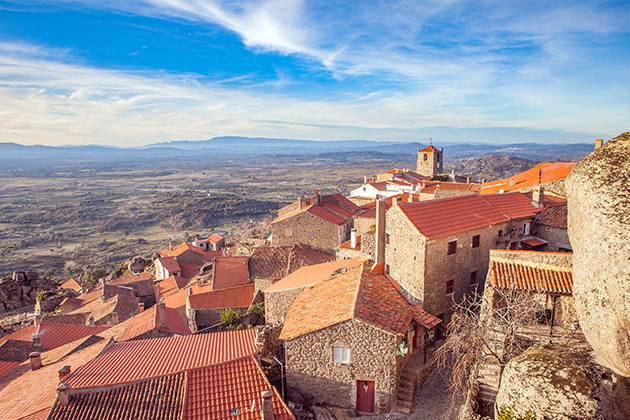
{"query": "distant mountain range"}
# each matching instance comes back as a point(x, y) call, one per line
point(230, 147)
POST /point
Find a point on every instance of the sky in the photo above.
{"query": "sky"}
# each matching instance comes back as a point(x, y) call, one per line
point(129, 73)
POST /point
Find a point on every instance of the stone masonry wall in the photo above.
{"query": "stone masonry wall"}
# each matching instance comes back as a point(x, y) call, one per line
point(452, 193)
point(306, 229)
point(362, 224)
point(277, 304)
point(538, 259)
point(310, 366)
point(557, 237)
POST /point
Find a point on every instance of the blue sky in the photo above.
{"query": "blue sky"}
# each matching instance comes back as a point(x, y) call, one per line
point(130, 73)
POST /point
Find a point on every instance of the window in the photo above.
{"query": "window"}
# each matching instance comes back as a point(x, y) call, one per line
point(473, 278)
point(475, 242)
point(500, 233)
point(449, 287)
point(526, 228)
point(341, 355)
point(426, 156)
point(452, 246)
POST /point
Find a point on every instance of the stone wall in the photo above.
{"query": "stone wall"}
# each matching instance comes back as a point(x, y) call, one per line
point(262, 284)
point(452, 193)
point(204, 318)
point(544, 260)
point(363, 224)
point(310, 366)
point(556, 237)
point(277, 304)
point(307, 229)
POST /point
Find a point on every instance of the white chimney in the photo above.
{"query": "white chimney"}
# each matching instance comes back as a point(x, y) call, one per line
point(599, 143)
point(538, 197)
point(267, 405)
point(353, 238)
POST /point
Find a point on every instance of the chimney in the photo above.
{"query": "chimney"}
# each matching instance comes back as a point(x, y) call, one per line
point(453, 174)
point(394, 201)
point(170, 246)
point(190, 292)
point(538, 197)
point(365, 179)
point(318, 193)
point(161, 308)
point(353, 238)
point(36, 360)
point(380, 233)
point(299, 203)
point(157, 290)
point(114, 318)
point(140, 306)
point(512, 182)
point(91, 321)
point(598, 143)
point(36, 341)
point(467, 180)
point(483, 180)
point(63, 394)
point(63, 372)
point(267, 406)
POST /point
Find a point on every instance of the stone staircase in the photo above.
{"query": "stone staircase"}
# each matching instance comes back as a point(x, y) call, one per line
point(488, 378)
point(408, 381)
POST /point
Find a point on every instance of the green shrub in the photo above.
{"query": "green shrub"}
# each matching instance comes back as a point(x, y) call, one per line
point(230, 321)
point(507, 413)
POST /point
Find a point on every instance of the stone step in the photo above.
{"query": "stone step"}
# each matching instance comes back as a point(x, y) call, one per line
point(405, 394)
point(404, 404)
point(487, 394)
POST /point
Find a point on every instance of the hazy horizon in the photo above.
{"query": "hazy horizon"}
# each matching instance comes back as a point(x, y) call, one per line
point(133, 73)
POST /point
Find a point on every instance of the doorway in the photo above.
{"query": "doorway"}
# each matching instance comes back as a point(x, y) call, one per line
point(365, 396)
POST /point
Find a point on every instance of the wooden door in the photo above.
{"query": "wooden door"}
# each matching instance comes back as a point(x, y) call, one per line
point(415, 337)
point(365, 396)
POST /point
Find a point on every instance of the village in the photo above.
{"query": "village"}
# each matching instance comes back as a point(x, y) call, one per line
point(343, 310)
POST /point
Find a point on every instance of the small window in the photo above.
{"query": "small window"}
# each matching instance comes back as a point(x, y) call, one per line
point(426, 156)
point(449, 287)
point(500, 233)
point(341, 355)
point(473, 278)
point(526, 228)
point(475, 241)
point(452, 247)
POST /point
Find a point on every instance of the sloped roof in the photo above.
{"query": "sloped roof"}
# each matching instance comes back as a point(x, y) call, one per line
point(230, 271)
point(178, 299)
point(6, 367)
point(76, 285)
point(369, 210)
point(554, 217)
point(142, 283)
point(34, 391)
point(430, 148)
point(337, 209)
point(180, 249)
point(522, 276)
point(232, 297)
point(449, 216)
point(52, 335)
point(548, 172)
point(358, 293)
point(550, 200)
point(110, 290)
point(312, 274)
point(302, 255)
point(159, 398)
point(150, 320)
point(170, 285)
point(431, 187)
point(215, 238)
point(211, 255)
point(345, 201)
point(318, 211)
point(132, 361)
point(61, 318)
point(273, 263)
point(170, 263)
point(348, 243)
point(125, 306)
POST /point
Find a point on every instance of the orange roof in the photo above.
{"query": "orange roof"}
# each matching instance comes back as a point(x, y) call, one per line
point(170, 264)
point(132, 361)
point(125, 306)
point(35, 390)
point(52, 335)
point(358, 293)
point(178, 299)
point(337, 209)
point(274, 263)
point(142, 283)
point(312, 274)
point(230, 271)
point(211, 255)
point(547, 172)
point(369, 210)
point(348, 244)
point(554, 217)
point(180, 249)
point(237, 385)
point(6, 367)
point(215, 238)
point(448, 216)
point(150, 320)
point(170, 285)
point(110, 290)
point(232, 297)
point(520, 276)
point(430, 148)
point(76, 285)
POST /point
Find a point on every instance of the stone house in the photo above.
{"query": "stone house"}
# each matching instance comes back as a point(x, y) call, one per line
point(438, 250)
point(212, 243)
point(341, 338)
point(185, 260)
point(550, 226)
point(321, 222)
point(204, 309)
point(280, 295)
point(141, 283)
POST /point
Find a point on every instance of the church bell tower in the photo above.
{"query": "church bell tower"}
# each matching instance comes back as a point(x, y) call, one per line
point(430, 160)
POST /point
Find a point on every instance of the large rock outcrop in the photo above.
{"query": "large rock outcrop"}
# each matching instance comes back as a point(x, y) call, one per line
point(21, 289)
point(561, 383)
point(598, 190)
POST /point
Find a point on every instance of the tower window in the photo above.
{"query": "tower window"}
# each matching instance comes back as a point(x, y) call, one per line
point(426, 156)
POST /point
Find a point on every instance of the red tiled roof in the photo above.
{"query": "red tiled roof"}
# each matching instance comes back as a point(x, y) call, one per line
point(430, 148)
point(110, 290)
point(234, 385)
point(52, 335)
point(178, 299)
point(230, 271)
point(170, 285)
point(369, 210)
point(150, 320)
point(519, 276)
point(430, 187)
point(180, 249)
point(132, 361)
point(554, 217)
point(125, 306)
point(233, 297)
point(448, 216)
point(215, 238)
point(61, 318)
point(189, 270)
point(269, 262)
point(170, 264)
point(211, 255)
point(346, 202)
point(76, 285)
point(142, 283)
point(302, 255)
point(533, 242)
point(312, 274)
point(34, 391)
point(348, 244)
point(550, 200)
point(6, 367)
point(38, 415)
point(548, 172)
point(159, 398)
point(357, 293)
point(337, 209)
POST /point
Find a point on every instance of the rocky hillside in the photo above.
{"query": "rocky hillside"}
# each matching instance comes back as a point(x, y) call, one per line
point(490, 167)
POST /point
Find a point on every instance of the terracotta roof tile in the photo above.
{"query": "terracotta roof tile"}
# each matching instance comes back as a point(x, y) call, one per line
point(548, 172)
point(269, 262)
point(369, 210)
point(142, 283)
point(169, 286)
point(318, 211)
point(232, 297)
point(348, 244)
point(312, 274)
point(431, 187)
point(39, 415)
point(6, 367)
point(302, 255)
point(215, 238)
point(123, 305)
point(170, 263)
point(230, 271)
point(211, 255)
point(34, 391)
point(110, 290)
point(178, 300)
point(236, 385)
point(429, 148)
point(357, 293)
point(132, 361)
point(76, 285)
point(52, 356)
point(554, 217)
point(159, 398)
point(61, 318)
point(52, 336)
point(180, 249)
point(448, 216)
point(345, 201)
point(337, 209)
point(150, 320)
point(16, 350)
point(189, 270)
point(521, 276)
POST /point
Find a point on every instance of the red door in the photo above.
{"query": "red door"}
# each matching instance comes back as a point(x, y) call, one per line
point(365, 396)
